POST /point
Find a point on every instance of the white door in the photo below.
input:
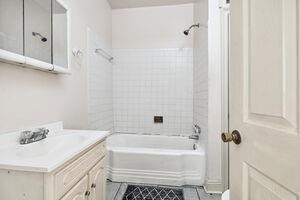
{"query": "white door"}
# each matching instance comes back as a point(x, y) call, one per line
point(97, 181)
point(79, 191)
point(264, 99)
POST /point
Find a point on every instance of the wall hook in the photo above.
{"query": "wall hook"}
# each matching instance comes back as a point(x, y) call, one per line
point(77, 52)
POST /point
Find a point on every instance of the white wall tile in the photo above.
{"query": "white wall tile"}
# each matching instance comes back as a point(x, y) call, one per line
point(200, 100)
point(149, 82)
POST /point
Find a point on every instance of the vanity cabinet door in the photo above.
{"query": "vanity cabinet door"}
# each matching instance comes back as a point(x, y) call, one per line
point(79, 191)
point(97, 181)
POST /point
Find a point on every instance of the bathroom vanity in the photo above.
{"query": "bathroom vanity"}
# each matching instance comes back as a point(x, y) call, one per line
point(67, 165)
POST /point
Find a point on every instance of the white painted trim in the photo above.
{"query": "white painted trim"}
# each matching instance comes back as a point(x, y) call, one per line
point(37, 64)
point(67, 69)
point(217, 177)
point(61, 70)
point(213, 186)
point(9, 57)
point(12, 58)
point(225, 14)
point(215, 100)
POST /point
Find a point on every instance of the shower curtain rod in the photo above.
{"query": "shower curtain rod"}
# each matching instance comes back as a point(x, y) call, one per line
point(105, 54)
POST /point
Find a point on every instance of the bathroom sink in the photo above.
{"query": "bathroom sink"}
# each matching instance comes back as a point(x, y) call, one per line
point(49, 145)
point(48, 154)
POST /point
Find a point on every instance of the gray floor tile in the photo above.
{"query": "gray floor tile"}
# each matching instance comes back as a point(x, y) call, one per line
point(204, 196)
point(190, 193)
point(121, 191)
point(112, 190)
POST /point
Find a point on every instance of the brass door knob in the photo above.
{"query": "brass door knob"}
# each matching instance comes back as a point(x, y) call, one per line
point(235, 136)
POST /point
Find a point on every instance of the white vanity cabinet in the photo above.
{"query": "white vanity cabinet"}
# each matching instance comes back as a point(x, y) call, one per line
point(79, 191)
point(83, 177)
point(97, 177)
point(91, 186)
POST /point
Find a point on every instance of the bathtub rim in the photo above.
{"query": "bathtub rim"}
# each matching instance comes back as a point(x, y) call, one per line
point(199, 143)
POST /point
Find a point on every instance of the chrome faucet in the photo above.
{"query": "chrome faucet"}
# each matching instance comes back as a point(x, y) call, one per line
point(28, 137)
point(197, 131)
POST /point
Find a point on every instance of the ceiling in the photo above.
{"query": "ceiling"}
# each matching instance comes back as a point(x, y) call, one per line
point(118, 4)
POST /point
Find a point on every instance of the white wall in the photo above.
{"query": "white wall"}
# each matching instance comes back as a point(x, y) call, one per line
point(153, 71)
point(152, 27)
point(29, 97)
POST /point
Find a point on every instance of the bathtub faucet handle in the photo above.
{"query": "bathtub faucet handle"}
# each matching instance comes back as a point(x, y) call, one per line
point(197, 129)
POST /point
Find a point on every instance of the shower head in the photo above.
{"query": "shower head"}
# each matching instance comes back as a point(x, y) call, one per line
point(43, 39)
point(186, 32)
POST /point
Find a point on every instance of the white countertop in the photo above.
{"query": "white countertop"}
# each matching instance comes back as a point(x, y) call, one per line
point(46, 155)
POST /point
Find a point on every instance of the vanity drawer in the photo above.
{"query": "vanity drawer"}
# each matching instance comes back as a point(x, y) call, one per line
point(66, 178)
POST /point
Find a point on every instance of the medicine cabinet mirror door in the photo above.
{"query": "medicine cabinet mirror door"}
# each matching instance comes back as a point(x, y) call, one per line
point(37, 30)
point(11, 26)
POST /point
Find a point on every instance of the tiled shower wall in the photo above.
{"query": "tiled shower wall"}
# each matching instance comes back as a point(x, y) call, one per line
point(201, 83)
point(201, 69)
point(100, 88)
point(153, 82)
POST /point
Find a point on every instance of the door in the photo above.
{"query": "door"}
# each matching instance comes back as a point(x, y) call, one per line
point(264, 100)
point(11, 26)
point(97, 181)
point(79, 191)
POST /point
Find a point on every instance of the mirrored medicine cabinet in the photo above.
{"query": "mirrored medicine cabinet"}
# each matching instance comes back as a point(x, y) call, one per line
point(34, 33)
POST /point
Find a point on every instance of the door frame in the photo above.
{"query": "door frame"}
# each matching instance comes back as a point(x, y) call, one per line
point(217, 152)
point(225, 49)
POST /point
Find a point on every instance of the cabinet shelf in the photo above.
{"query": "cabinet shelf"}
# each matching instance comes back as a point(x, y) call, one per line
point(23, 61)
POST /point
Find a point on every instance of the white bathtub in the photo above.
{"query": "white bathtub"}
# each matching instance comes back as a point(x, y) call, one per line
point(153, 159)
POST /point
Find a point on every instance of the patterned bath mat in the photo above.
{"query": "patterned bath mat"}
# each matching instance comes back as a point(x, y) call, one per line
point(137, 192)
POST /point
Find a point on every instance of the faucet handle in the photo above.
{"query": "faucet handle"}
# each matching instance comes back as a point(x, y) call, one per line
point(42, 131)
point(46, 131)
point(26, 134)
point(197, 129)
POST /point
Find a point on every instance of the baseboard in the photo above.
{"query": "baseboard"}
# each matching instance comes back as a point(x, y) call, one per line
point(213, 186)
